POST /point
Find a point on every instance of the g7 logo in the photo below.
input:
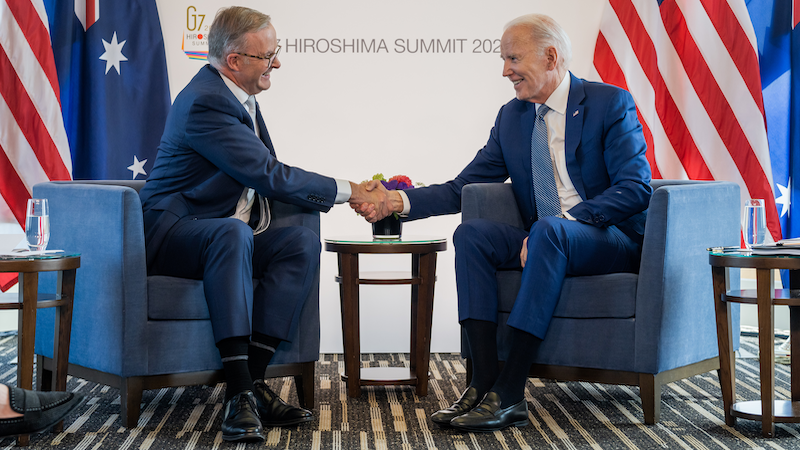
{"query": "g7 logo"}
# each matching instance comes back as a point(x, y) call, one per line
point(193, 17)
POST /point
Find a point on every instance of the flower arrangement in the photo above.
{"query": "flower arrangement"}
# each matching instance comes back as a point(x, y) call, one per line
point(397, 182)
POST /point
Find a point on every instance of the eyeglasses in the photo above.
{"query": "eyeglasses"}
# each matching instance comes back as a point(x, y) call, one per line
point(270, 58)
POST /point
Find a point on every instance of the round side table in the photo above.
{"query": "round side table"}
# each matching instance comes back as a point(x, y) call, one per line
point(29, 300)
point(421, 278)
point(767, 410)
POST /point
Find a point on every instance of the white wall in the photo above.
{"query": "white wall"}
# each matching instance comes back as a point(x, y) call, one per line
point(351, 115)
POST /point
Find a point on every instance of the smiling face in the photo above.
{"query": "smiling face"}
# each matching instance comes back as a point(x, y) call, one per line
point(253, 74)
point(532, 69)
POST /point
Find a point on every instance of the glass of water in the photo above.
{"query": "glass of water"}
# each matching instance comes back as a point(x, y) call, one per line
point(754, 222)
point(37, 224)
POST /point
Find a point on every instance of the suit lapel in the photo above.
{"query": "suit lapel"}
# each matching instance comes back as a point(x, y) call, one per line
point(262, 130)
point(572, 133)
point(526, 126)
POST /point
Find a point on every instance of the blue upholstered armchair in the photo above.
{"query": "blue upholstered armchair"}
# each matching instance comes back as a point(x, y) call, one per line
point(135, 332)
point(644, 329)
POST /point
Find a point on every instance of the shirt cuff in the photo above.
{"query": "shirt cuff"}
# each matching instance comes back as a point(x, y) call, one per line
point(406, 203)
point(568, 216)
point(343, 191)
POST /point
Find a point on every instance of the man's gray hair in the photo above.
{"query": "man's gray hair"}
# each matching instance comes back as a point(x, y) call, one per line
point(229, 29)
point(546, 32)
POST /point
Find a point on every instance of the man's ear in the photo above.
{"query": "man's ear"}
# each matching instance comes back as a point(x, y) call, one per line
point(552, 58)
point(233, 61)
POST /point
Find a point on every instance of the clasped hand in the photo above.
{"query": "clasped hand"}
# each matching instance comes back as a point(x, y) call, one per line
point(370, 200)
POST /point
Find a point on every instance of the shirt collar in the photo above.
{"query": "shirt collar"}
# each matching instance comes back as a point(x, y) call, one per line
point(558, 99)
point(238, 92)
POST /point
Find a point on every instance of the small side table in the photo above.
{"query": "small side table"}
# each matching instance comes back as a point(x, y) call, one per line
point(422, 279)
point(767, 410)
point(28, 301)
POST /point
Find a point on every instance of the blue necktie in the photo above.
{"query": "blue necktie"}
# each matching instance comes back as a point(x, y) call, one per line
point(545, 191)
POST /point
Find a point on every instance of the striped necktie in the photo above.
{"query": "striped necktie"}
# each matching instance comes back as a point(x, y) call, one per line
point(545, 191)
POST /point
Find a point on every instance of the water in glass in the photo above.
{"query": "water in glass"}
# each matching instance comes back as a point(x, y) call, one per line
point(754, 223)
point(37, 224)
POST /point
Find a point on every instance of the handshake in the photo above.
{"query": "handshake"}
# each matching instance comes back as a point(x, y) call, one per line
point(373, 201)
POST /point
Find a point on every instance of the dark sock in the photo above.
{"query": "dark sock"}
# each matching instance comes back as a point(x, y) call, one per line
point(234, 363)
point(260, 351)
point(482, 337)
point(510, 384)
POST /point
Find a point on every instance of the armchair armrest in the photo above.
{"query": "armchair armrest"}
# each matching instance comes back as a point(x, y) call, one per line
point(494, 201)
point(104, 223)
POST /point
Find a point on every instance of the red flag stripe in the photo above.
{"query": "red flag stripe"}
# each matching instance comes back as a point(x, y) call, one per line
point(717, 108)
point(739, 46)
point(675, 127)
point(29, 121)
point(612, 73)
point(795, 13)
point(38, 38)
point(13, 189)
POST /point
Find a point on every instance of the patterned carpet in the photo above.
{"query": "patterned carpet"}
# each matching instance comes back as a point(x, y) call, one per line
point(562, 415)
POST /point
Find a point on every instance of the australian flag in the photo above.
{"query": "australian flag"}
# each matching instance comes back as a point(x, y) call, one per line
point(112, 73)
point(777, 28)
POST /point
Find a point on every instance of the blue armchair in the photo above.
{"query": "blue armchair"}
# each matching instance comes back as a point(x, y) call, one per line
point(644, 329)
point(136, 332)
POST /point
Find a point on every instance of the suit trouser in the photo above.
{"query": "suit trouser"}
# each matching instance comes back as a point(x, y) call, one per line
point(557, 248)
point(272, 271)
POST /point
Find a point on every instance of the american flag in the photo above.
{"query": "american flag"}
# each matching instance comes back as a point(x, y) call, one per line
point(692, 67)
point(33, 142)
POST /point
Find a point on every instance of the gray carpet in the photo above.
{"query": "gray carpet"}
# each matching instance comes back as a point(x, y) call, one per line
point(562, 415)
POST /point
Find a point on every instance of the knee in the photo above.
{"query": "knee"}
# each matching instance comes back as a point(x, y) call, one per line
point(235, 234)
point(547, 230)
point(469, 233)
point(306, 242)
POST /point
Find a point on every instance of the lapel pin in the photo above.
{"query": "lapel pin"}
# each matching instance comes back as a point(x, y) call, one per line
point(575, 113)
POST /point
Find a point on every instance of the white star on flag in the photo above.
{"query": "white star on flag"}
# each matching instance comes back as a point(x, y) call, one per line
point(785, 198)
point(137, 167)
point(113, 55)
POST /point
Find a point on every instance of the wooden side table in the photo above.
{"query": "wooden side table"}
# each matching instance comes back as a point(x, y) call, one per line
point(28, 301)
point(767, 410)
point(422, 279)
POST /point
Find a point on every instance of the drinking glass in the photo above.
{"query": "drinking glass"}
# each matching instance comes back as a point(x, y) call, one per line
point(37, 224)
point(754, 223)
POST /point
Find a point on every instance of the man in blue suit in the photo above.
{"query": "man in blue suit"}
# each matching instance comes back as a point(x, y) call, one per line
point(575, 153)
point(206, 216)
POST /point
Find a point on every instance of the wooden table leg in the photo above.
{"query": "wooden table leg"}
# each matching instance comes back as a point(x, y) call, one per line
point(63, 326)
point(727, 367)
point(348, 270)
point(423, 266)
point(794, 338)
point(28, 295)
point(766, 349)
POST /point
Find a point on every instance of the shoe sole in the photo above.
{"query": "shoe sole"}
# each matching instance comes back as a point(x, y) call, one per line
point(287, 423)
point(247, 437)
point(521, 423)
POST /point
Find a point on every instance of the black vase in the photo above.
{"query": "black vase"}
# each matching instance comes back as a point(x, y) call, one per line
point(389, 227)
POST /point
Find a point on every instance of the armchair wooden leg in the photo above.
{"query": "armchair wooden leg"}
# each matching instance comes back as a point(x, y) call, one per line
point(650, 392)
point(304, 384)
point(130, 401)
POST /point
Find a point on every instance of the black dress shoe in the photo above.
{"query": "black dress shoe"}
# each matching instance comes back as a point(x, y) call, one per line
point(488, 416)
point(274, 411)
point(469, 398)
point(41, 410)
point(240, 421)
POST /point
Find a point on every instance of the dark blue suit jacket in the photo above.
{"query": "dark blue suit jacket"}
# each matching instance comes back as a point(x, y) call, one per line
point(605, 153)
point(209, 153)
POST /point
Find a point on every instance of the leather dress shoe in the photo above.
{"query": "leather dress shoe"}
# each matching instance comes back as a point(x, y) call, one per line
point(240, 421)
point(469, 398)
point(489, 416)
point(40, 409)
point(274, 411)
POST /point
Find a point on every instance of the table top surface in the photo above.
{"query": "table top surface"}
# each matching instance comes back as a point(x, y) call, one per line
point(736, 257)
point(369, 240)
point(41, 263)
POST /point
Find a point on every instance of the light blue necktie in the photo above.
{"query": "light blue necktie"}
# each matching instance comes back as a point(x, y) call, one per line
point(544, 182)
